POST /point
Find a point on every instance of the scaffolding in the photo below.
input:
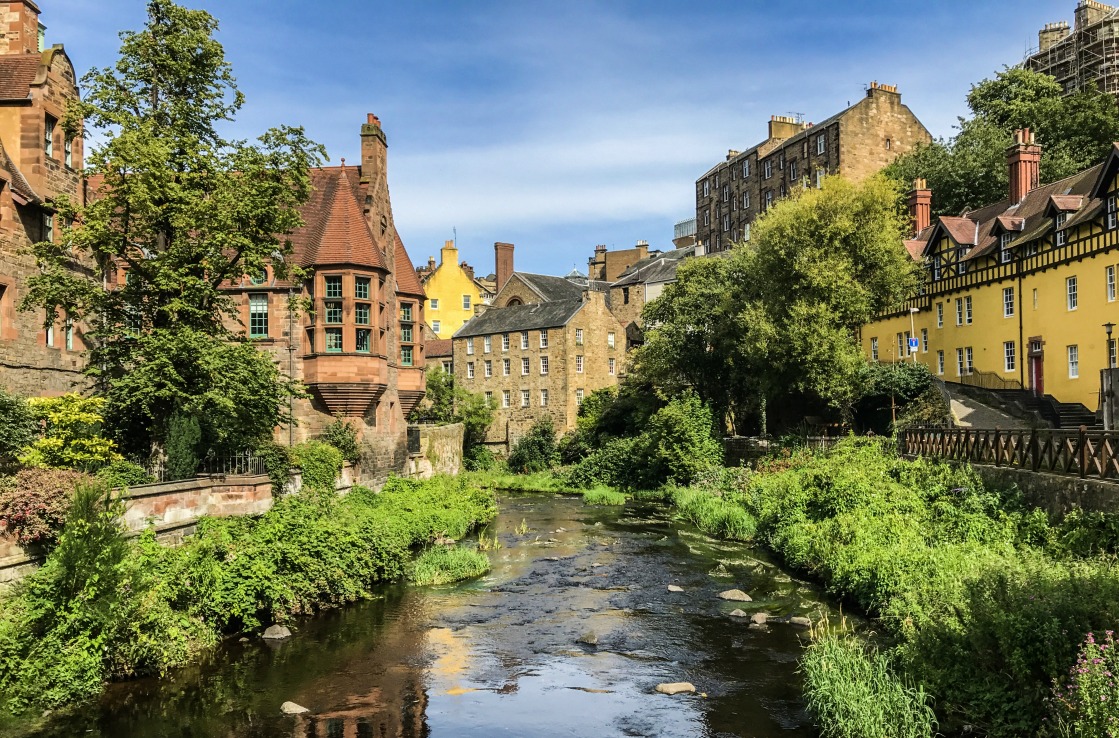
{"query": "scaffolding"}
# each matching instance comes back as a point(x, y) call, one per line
point(1087, 54)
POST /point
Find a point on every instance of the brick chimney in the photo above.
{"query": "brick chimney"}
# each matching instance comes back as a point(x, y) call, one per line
point(920, 205)
point(19, 27)
point(1024, 158)
point(503, 263)
point(374, 175)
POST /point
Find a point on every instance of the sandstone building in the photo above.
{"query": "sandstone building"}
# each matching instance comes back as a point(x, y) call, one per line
point(854, 143)
point(639, 285)
point(39, 162)
point(1083, 55)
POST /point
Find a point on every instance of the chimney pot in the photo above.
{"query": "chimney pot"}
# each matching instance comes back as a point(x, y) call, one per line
point(1024, 161)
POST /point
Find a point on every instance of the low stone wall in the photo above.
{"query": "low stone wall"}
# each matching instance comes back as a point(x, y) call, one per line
point(440, 451)
point(1057, 495)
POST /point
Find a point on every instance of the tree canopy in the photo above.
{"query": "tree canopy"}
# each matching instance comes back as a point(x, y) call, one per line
point(969, 170)
point(181, 210)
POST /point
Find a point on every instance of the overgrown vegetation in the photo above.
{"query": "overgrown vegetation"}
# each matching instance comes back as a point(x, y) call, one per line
point(536, 451)
point(320, 463)
point(104, 607)
point(447, 564)
point(342, 435)
point(34, 503)
point(603, 496)
point(69, 433)
point(444, 403)
point(17, 426)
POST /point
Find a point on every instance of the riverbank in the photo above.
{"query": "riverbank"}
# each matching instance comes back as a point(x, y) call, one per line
point(104, 608)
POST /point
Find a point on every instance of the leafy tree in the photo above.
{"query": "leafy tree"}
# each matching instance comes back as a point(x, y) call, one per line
point(181, 211)
point(342, 435)
point(969, 170)
point(536, 450)
point(184, 435)
point(17, 425)
point(71, 433)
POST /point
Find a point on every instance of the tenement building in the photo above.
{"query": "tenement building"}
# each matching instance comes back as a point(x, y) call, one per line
point(854, 143)
point(1083, 55)
point(39, 162)
point(1017, 294)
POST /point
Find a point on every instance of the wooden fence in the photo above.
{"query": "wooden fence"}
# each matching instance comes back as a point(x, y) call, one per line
point(1083, 453)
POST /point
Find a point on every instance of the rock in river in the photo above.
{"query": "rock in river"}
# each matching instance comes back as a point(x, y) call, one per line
point(759, 618)
point(801, 621)
point(290, 708)
point(277, 633)
point(676, 688)
point(735, 595)
point(737, 614)
point(589, 638)
point(675, 588)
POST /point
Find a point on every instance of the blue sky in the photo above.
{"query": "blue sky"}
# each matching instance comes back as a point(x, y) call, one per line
point(561, 125)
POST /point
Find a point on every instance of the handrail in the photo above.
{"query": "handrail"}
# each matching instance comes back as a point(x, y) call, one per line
point(988, 380)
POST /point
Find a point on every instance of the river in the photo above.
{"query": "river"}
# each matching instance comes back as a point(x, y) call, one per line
point(501, 655)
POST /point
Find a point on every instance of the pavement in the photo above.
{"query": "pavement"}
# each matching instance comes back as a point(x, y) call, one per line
point(969, 413)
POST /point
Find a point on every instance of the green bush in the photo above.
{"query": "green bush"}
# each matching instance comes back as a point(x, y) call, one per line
point(1087, 703)
point(603, 496)
point(71, 434)
point(34, 503)
point(445, 565)
point(536, 451)
point(320, 463)
point(341, 435)
point(124, 474)
point(853, 692)
point(184, 435)
point(713, 514)
point(680, 444)
point(17, 426)
point(478, 458)
point(278, 462)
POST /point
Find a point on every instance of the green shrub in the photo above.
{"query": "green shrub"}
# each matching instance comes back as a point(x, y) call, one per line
point(71, 434)
point(1087, 703)
point(478, 458)
point(445, 565)
point(853, 692)
point(536, 451)
point(320, 463)
point(603, 496)
point(680, 444)
point(278, 462)
point(341, 435)
point(17, 426)
point(124, 474)
point(713, 514)
point(34, 503)
point(184, 435)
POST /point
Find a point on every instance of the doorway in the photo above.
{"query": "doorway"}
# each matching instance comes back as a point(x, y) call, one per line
point(1037, 366)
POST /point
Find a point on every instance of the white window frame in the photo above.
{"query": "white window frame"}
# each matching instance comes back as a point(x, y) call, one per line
point(1008, 302)
point(466, 302)
point(959, 311)
point(1073, 353)
point(959, 362)
point(768, 199)
point(940, 362)
point(1061, 237)
point(745, 168)
point(488, 366)
point(874, 348)
point(969, 356)
point(1004, 248)
point(435, 325)
point(968, 313)
point(504, 342)
point(526, 366)
point(792, 171)
point(579, 397)
point(768, 169)
point(543, 398)
point(1009, 356)
point(706, 188)
point(526, 397)
point(505, 399)
point(924, 340)
point(578, 336)
point(1072, 295)
point(506, 367)
point(940, 315)
point(902, 348)
point(470, 370)
point(434, 304)
point(821, 144)
point(487, 344)
point(610, 340)
point(543, 365)
point(544, 338)
point(579, 364)
point(611, 365)
point(1109, 278)
point(524, 340)
point(470, 347)
point(1112, 213)
point(745, 200)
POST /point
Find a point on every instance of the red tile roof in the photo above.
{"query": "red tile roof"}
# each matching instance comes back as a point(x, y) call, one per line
point(407, 283)
point(1066, 203)
point(916, 248)
point(335, 230)
point(17, 72)
point(962, 230)
point(438, 347)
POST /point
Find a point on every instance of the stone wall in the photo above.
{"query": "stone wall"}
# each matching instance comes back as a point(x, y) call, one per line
point(1057, 495)
point(440, 451)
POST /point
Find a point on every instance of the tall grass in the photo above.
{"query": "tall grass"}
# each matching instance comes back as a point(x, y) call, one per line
point(502, 479)
point(445, 565)
point(714, 515)
point(603, 496)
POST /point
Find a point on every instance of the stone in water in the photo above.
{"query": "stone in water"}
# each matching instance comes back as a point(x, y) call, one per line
point(675, 588)
point(290, 708)
point(676, 688)
point(735, 595)
point(277, 633)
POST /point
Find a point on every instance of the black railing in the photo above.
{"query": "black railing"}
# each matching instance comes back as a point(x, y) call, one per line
point(232, 465)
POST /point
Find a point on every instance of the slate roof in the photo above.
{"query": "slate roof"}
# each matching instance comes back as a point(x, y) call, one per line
point(551, 314)
point(558, 288)
point(654, 269)
point(17, 72)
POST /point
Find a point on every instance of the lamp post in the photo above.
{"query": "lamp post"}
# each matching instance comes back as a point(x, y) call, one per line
point(913, 330)
point(1107, 384)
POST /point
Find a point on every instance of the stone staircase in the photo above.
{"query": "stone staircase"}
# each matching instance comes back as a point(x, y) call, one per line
point(1062, 415)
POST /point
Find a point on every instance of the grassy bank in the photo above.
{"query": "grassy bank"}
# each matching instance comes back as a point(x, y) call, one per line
point(104, 607)
point(444, 565)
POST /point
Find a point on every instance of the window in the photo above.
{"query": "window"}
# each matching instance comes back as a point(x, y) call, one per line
point(361, 288)
point(706, 188)
point(505, 342)
point(940, 362)
point(406, 355)
point(726, 223)
point(334, 340)
point(959, 362)
point(961, 265)
point(544, 338)
point(68, 151)
point(940, 315)
point(524, 339)
point(258, 316)
point(1110, 278)
point(768, 199)
point(543, 398)
point(362, 342)
point(610, 365)
point(1008, 302)
point(1004, 248)
point(435, 303)
point(924, 340)
point(610, 339)
point(959, 311)
point(1062, 235)
point(820, 177)
point(69, 333)
point(48, 227)
point(1035, 298)
point(706, 218)
point(435, 326)
point(970, 359)
point(821, 144)
point(1074, 362)
point(470, 347)
point(874, 349)
point(578, 364)
point(487, 344)
point(579, 397)
point(525, 366)
point(792, 171)
point(907, 351)
point(333, 312)
point(889, 144)
point(525, 397)
point(48, 135)
point(470, 370)
point(745, 169)
point(488, 368)
point(726, 193)
point(543, 364)
point(505, 398)
point(506, 367)
point(406, 334)
point(1008, 355)
point(901, 346)
point(936, 267)
point(967, 310)
point(746, 232)
point(489, 398)
point(745, 200)
point(406, 312)
point(333, 286)
point(50, 331)
point(447, 366)
point(362, 312)
point(1111, 354)
point(768, 169)
point(1070, 292)
point(625, 295)
point(1112, 215)
point(466, 302)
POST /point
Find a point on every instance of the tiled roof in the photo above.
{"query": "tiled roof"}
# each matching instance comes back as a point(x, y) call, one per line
point(915, 247)
point(438, 347)
point(1066, 203)
point(962, 230)
point(552, 288)
point(407, 283)
point(17, 72)
point(335, 230)
point(551, 314)
point(10, 173)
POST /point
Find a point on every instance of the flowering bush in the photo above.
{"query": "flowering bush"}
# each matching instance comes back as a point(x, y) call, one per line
point(34, 503)
point(1088, 703)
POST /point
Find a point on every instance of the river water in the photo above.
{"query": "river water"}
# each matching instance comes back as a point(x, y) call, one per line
point(501, 655)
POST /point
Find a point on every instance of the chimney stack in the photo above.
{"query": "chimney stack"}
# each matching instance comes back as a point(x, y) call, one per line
point(920, 205)
point(20, 30)
point(503, 263)
point(1024, 159)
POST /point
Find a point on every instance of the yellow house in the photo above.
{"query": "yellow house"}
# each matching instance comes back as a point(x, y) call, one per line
point(1017, 294)
point(452, 291)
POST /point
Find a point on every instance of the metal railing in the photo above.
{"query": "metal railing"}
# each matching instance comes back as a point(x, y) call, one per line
point(1082, 453)
point(988, 381)
point(232, 465)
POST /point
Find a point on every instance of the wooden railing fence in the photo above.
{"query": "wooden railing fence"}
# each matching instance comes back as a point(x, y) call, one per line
point(1083, 453)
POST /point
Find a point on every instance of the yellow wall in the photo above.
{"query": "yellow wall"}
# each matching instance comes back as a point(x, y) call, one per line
point(445, 287)
point(1050, 319)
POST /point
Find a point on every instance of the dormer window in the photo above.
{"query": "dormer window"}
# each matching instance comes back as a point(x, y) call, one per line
point(1062, 236)
point(1004, 248)
point(1112, 213)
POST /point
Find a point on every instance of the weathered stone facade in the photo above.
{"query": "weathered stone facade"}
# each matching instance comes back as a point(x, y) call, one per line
point(855, 143)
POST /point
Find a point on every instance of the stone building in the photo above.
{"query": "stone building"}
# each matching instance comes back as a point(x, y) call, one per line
point(639, 285)
point(854, 143)
point(607, 266)
point(1083, 55)
point(39, 162)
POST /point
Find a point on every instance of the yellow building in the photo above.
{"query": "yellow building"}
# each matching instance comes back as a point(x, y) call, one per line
point(452, 291)
point(1016, 294)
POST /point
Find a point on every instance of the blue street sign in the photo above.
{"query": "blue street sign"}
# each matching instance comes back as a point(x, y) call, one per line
point(912, 345)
